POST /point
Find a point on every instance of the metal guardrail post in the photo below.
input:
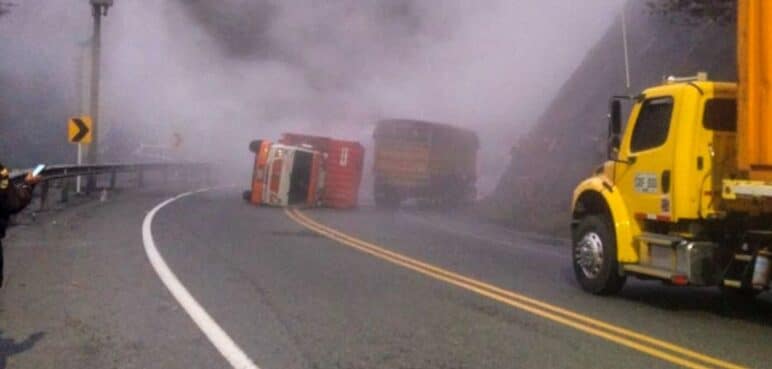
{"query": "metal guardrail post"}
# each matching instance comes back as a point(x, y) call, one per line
point(188, 173)
point(140, 178)
point(91, 185)
point(65, 195)
point(113, 178)
point(44, 194)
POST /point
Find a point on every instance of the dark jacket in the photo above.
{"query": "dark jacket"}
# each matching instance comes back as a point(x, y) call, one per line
point(13, 198)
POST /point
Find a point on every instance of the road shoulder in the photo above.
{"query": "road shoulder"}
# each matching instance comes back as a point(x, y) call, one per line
point(79, 283)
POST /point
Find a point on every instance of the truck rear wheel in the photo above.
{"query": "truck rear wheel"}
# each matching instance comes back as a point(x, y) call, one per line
point(594, 255)
point(254, 146)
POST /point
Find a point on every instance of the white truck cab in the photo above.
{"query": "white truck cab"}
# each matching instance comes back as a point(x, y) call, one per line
point(285, 175)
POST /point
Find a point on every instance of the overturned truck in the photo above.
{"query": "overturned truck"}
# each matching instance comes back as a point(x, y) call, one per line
point(304, 170)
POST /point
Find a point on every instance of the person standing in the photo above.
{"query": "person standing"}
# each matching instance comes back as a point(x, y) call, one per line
point(13, 199)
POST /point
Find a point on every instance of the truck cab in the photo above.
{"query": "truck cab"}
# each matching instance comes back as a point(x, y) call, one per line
point(678, 146)
point(285, 175)
point(657, 209)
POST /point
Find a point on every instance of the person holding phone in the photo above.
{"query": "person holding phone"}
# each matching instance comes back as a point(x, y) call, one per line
point(13, 199)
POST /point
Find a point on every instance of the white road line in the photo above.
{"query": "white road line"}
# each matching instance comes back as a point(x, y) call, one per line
point(219, 338)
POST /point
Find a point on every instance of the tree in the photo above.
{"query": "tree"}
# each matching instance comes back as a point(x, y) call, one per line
point(695, 11)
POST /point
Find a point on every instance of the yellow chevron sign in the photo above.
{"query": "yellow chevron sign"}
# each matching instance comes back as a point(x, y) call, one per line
point(79, 129)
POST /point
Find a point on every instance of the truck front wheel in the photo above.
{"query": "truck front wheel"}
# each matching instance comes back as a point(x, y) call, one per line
point(595, 256)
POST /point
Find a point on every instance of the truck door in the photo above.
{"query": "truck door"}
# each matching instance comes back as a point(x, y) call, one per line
point(644, 173)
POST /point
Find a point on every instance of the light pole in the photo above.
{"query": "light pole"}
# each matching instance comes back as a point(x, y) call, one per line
point(99, 9)
point(624, 45)
point(83, 73)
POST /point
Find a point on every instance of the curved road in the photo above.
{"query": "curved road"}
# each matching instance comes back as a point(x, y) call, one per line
point(342, 289)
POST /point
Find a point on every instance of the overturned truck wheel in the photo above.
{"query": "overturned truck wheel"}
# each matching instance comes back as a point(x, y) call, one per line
point(254, 146)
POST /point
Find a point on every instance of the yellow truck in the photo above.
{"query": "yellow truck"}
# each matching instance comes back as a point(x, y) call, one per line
point(686, 195)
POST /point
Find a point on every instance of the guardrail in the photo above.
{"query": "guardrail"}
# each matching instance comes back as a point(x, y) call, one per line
point(61, 174)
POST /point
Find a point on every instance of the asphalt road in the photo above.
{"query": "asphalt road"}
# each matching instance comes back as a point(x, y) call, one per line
point(338, 289)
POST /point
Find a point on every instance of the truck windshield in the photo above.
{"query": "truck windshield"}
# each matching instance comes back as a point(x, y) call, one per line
point(720, 115)
point(300, 179)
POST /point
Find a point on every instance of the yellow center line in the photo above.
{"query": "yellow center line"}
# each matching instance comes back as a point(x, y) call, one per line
point(541, 304)
point(622, 336)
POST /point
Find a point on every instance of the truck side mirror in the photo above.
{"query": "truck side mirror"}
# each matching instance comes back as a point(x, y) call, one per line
point(614, 127)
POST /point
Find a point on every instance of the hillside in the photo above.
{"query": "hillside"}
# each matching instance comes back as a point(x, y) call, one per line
point(569, 138)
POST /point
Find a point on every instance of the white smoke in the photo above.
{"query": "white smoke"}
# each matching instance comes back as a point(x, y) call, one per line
point(223, 72)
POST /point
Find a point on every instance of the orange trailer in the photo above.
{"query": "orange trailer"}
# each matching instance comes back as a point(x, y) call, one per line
point(754, 53)
point(434, 163)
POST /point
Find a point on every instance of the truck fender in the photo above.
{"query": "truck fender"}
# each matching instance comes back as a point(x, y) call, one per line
point(597, 195)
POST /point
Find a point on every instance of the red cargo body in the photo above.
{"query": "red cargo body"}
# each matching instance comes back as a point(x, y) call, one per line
point(343, 167)
point(344, 163)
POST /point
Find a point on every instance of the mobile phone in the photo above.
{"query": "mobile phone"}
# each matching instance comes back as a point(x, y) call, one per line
point(38, 169)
